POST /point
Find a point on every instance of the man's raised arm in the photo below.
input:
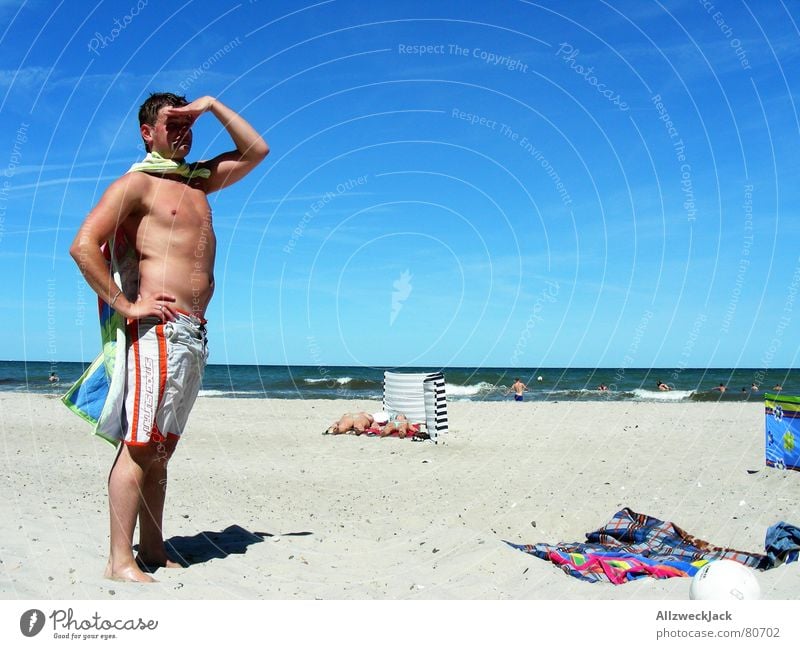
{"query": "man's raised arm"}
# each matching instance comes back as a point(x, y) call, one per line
point(228, 167)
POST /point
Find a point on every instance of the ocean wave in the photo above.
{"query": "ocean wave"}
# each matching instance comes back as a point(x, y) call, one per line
point(452, 390)
point(663, 395)
point(343, 380)
point(229, 393)
point(728, 395)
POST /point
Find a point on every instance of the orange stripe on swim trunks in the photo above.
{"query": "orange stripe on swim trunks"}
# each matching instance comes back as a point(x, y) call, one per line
point(136, 387)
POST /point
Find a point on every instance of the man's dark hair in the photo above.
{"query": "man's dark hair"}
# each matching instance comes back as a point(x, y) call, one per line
point(148, 111)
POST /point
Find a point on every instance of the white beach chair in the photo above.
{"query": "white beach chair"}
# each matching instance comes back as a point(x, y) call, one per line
point(420, 397)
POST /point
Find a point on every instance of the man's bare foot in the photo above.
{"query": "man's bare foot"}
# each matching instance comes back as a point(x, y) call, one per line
point(128, 573)
point(149, 563)
point(150, 559)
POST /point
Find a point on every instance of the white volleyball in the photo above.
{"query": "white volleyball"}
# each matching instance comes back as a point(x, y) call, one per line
point(724, 579)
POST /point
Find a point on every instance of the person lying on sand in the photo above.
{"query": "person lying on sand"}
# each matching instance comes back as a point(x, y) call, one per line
point(350, 423)
point(384, 425)
point(398, 424)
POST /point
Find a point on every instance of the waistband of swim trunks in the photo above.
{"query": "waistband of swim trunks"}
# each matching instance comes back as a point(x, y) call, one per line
point(185, 317)
point(194, 318)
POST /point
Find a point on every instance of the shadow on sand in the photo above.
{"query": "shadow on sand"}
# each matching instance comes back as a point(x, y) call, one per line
point(205, 546)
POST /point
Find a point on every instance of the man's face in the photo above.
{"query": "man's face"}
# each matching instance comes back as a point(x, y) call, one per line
point(170, 137)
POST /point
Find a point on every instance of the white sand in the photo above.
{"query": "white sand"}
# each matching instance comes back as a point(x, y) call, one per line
point(368, 518)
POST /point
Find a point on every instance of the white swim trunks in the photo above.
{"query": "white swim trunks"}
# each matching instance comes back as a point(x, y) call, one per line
point(166, 361)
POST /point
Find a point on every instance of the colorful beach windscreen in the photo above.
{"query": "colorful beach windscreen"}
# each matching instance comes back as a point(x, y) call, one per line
point(782, 431)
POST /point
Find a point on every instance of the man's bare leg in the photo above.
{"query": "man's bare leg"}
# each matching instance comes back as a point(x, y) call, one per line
point(125, 488)
point(152, 552)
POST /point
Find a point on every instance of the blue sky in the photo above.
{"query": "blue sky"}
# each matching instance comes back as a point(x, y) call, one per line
point(512, 184)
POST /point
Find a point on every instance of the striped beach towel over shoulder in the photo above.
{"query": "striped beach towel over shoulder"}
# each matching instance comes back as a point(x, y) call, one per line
point(98, 396)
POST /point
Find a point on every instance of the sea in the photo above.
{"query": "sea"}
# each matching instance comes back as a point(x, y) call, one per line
point(461, 383)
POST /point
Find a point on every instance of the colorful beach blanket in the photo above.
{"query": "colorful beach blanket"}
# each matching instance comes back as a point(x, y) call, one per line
point(631, 546)
point(98, 396)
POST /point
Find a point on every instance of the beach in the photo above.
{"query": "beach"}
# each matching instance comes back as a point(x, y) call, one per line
point(266, 507)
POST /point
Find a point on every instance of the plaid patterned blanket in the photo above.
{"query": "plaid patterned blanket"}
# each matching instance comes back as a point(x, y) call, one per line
point(631, 546)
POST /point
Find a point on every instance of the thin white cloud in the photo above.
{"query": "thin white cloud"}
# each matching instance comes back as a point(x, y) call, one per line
point(310, 198)
point(14, 233)
point(46, 168)
point(62, 181)
point(23, 78)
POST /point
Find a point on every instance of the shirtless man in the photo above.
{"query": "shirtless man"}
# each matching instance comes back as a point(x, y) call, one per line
point(164, 216)
point(517, 388)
